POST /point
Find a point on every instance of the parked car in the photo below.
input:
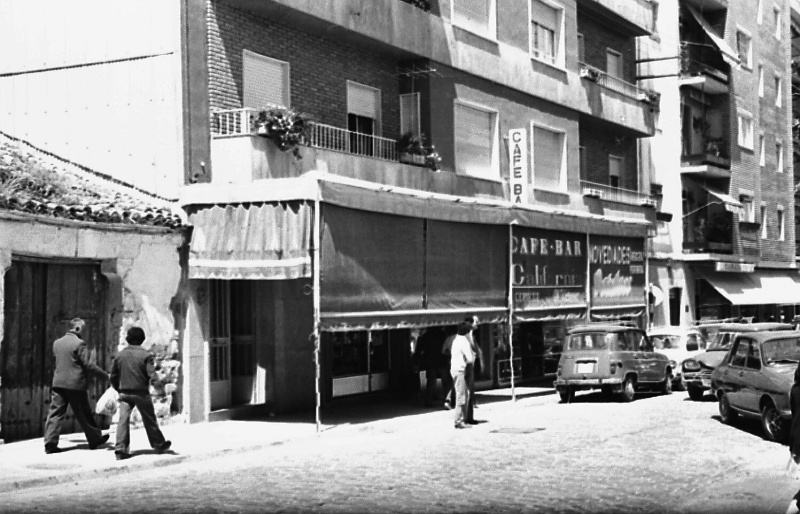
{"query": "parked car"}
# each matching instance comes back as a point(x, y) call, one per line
point(696, 371)
point(612, 358)
point(754, 379)
point(678, 344)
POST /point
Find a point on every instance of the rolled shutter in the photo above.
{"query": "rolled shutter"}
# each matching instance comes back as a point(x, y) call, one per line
point(266, 81)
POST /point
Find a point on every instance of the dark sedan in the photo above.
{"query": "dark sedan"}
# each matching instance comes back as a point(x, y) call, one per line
point(754, 379)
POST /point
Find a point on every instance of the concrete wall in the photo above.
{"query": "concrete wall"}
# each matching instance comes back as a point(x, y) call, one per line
point(98, 84)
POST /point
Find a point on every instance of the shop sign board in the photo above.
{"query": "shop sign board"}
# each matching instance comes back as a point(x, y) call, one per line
point(616, 267)
point(548, 268)
point(518, 165)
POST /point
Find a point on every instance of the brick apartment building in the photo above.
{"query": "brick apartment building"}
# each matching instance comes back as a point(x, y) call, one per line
point(458, 157)
point(725, 236)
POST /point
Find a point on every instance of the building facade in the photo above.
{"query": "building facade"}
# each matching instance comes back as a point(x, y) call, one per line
point(725, 237)
point(357, 173)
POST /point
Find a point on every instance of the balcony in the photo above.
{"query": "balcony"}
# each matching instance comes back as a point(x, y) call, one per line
point(708, 232)
point(750, 239)
point(632, 17)
point(239, 155)
point(616, 194)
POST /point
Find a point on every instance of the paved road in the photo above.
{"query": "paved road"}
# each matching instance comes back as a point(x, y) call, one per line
point(658, 454)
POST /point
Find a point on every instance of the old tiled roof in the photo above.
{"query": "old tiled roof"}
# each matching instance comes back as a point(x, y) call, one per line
point(38, 183)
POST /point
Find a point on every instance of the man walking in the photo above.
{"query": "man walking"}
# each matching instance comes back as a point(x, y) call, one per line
point(72, 367)
point(131, 375)
point(461, 356)
point(470, 371)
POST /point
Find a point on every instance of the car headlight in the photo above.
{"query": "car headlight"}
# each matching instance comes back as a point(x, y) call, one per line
point(691, 365)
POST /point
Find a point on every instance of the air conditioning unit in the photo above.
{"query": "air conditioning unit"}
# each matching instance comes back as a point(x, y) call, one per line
point(649, 202)
point(592, 192)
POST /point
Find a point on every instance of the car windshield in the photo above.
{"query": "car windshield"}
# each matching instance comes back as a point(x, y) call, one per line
point(722, 342)
point(591, 341)
point(782, 351)
point(665, 342)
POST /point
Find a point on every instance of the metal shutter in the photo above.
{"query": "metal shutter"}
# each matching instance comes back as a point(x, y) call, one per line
point(548, 158)
point(474, 131)
point(363, 100)
point(266, 81)
point(475, 13)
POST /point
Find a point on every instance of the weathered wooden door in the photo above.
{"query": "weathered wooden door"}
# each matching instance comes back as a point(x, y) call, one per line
point(40, 298)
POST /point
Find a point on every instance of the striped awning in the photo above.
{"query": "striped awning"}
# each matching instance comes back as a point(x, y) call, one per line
point(268, 241)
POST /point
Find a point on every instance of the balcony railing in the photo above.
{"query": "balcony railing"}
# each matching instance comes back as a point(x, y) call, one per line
point(616, 84)
point(619, 195)
point(237, 122)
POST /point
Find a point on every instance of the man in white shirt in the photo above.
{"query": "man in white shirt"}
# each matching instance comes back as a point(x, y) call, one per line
point(461, 357)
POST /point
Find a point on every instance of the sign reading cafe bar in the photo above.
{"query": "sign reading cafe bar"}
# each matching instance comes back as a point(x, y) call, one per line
point(549, 269)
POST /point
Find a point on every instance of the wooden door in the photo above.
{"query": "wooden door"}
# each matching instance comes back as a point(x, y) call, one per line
point(40, 298)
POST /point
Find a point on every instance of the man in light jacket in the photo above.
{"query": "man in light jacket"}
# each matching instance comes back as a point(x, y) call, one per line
point(72, 369)
point(461, 357)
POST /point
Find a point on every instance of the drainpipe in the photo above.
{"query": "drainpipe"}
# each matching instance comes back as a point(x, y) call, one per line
point(316, 306)
point(511, 307)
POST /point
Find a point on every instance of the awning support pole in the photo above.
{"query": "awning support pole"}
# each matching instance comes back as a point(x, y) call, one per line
point(510, 332)
point(316, 305)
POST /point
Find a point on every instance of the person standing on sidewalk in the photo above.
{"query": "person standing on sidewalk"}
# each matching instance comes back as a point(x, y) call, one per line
point(72, 367)
point(470, 372)
point(794, 435)
point(461, 357)
point(131, 374)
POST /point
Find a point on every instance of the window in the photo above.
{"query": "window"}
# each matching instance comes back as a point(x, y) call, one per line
point(778, 92)
point(776, 12)
point(762, 151)
point(478, 16)
point(581, 48)
point(748, 213)
point(615, 165)
point(754, 356)
point(744, 47)
point(363, 117)
point(476, 141)
point(760, 81)
point(760, 12)
point(745, 125)
point(739, 354)
point(409, 114)
point(546, 31)
point(549, 159)
point(614, 63)
point(781, 225)
point(763, 222)
point(779, 157)
point(265, 81)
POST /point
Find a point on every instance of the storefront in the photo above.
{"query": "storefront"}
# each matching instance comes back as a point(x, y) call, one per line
point(760, 295)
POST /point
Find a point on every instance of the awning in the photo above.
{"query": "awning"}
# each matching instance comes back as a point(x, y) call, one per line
point(345, 322)
point(266, 241)
point(560, 314)
point(616, 313)
point(759, 288)
point(730, 203)
point(728, 54)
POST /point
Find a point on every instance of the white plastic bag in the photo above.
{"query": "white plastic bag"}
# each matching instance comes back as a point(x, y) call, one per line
point(107, 404)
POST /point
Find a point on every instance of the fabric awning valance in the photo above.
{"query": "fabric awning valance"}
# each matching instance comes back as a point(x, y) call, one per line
point(728, 54)
point(616, 313)
point(759, 288)
point(267, 241)
point(558, 314)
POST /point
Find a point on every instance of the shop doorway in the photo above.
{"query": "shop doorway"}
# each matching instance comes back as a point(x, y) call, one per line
point(41, 296)
point(231, 343)
point(360, 361)
point(675, 294)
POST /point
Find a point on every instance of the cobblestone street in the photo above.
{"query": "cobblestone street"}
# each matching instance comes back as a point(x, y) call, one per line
point(658, 454)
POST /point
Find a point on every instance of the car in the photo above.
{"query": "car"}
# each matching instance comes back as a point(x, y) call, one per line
point(612, 358)
point(696, 371)
point(677, 343)
point(754, 378)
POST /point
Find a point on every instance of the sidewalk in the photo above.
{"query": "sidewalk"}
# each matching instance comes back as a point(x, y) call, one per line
point(25, 465)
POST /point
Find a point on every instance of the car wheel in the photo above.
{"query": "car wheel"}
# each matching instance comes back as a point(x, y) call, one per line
point(628, 391)
point(567, 395)
point(774, 426)
point(666, 385)
point(695, 393)
point(726, 412)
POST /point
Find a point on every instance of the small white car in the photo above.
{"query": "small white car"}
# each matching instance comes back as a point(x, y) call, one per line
point(678, 344)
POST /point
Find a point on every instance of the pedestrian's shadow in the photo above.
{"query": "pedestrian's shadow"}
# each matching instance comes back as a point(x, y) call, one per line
point(151, 451)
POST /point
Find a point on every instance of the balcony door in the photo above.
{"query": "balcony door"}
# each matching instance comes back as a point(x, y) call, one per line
point(363, 117)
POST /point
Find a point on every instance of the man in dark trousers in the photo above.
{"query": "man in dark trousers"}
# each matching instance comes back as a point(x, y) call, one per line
point(72, 367)
point(131, 374)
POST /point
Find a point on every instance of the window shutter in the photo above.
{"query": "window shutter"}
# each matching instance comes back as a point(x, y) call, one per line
point(409, 114)
point(266, 81)
point(474, 141)
point(473, 12)
point(544, 15)
point(363, 100)
point(548, 158)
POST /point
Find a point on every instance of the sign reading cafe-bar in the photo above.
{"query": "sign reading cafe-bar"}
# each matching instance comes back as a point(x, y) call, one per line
point(518, 165)
point(549, 269)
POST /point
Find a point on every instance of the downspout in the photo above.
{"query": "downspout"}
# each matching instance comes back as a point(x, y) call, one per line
point(316, 306)
point(511, 307)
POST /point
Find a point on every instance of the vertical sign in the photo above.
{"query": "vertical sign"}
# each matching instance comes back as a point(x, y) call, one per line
point(518, 165)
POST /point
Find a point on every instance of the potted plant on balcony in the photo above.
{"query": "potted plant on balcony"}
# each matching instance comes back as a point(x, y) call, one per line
point(413, 150)
point(284, 127)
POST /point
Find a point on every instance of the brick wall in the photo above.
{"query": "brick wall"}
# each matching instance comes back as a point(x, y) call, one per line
point(598, 38)
point(600, 142)
point(319, 66)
